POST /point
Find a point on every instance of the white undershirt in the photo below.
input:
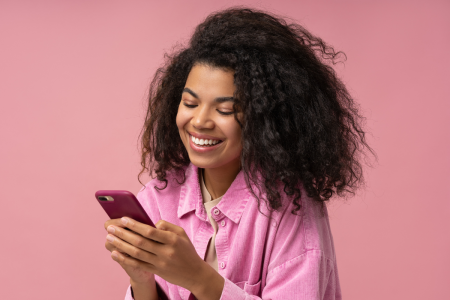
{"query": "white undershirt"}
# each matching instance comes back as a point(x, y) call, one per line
point(211, 256)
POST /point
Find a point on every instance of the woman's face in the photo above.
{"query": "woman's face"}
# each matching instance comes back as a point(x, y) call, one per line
point(205, 118)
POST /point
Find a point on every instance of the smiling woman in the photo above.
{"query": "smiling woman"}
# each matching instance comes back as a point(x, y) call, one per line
point(205, 120)
point(249, 113)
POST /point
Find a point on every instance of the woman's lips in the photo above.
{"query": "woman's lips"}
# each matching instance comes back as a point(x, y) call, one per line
point(202, 136)
point(203, 149)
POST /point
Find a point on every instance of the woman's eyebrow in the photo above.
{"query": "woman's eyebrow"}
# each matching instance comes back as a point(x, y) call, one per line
point(188, 90)
point(218, 99)
point(223, 99)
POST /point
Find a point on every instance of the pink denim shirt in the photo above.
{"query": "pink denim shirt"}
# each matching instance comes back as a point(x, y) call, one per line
point(285, 256)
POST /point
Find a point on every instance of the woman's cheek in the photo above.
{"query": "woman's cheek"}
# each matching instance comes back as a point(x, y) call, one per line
point(181, 121)
point(182, 118)
point(232, 130)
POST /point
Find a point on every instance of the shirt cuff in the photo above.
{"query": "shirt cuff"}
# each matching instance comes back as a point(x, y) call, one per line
point(129, 294)
point(161, 294)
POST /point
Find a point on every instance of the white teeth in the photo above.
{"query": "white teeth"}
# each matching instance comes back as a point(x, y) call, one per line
point(202, 142)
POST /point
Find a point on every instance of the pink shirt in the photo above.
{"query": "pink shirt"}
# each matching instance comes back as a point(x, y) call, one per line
point(285, 256)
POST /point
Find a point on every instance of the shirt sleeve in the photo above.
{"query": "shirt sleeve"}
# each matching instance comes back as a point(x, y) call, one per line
point(161, 294)
point(310, 276)
point(129, 295)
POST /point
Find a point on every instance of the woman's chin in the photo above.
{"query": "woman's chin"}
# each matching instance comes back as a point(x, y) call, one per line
point(203, 164)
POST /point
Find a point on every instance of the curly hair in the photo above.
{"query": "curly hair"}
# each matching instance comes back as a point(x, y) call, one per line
point(300, 126)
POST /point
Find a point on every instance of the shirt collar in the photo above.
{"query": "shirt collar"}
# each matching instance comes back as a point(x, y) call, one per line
point(232, 204)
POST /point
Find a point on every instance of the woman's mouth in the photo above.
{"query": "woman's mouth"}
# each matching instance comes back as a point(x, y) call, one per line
point(204, 142)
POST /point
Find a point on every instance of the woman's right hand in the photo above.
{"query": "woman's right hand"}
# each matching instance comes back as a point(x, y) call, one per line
point(136, 275)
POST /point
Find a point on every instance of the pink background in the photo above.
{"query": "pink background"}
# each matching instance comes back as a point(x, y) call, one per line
point(73, 80)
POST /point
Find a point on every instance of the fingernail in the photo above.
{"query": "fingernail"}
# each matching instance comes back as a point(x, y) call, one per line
point(111, 229)
point(115, 255)
point(124, 221)
point(110, 238)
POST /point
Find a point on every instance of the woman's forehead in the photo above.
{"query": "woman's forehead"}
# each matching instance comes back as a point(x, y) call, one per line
point(206, 81)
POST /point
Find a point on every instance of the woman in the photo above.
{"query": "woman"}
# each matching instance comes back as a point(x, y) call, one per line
point(248, 132)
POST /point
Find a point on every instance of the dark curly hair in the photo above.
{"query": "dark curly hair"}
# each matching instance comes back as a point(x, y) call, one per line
point(300, 126)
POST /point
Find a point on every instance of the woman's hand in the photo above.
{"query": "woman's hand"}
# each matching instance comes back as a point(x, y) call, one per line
point(165, 251)
point(137, 275)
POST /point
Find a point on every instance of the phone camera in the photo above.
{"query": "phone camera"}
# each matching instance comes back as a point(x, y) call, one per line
point(105, 198)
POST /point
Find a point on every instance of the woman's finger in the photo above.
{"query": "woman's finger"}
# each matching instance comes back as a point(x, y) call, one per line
point(135, 239)
point(167, 226)
point(128, 262)
point(150, 232)
point(115, 222)
point(110, 247)
point(131, 250)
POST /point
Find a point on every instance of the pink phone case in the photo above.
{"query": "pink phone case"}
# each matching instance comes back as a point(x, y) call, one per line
point(118, 204)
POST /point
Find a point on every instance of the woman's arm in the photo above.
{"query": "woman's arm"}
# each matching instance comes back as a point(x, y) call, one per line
point(144, 291)
point(209, 284)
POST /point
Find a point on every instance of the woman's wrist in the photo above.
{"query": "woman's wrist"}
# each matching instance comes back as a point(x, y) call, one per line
point(209, 284)
point(144, 290)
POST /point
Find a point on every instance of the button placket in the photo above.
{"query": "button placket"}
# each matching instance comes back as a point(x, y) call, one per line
point(221, 239)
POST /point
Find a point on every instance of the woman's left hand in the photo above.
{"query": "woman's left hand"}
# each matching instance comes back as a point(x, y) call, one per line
point(165, 251)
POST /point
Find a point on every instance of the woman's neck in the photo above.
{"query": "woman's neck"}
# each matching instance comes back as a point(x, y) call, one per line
point(218, 180)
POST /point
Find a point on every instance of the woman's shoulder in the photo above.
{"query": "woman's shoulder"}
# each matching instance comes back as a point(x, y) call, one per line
point(173, 181)
point(309, 226)
point(157, 193)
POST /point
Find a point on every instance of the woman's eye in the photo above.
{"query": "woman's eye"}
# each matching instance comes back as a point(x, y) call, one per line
point(225, 113)
point(189, 105)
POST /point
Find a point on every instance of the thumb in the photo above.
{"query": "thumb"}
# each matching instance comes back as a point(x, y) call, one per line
point(167, 226)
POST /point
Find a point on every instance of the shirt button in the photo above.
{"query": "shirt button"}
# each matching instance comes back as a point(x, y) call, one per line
point(222, 223)
point(222, 265)
point(216, 212)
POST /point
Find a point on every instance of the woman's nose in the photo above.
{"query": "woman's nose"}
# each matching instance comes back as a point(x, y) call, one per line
point(202, 120)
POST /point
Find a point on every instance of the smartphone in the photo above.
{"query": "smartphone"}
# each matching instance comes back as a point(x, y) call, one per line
point(118, 204)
